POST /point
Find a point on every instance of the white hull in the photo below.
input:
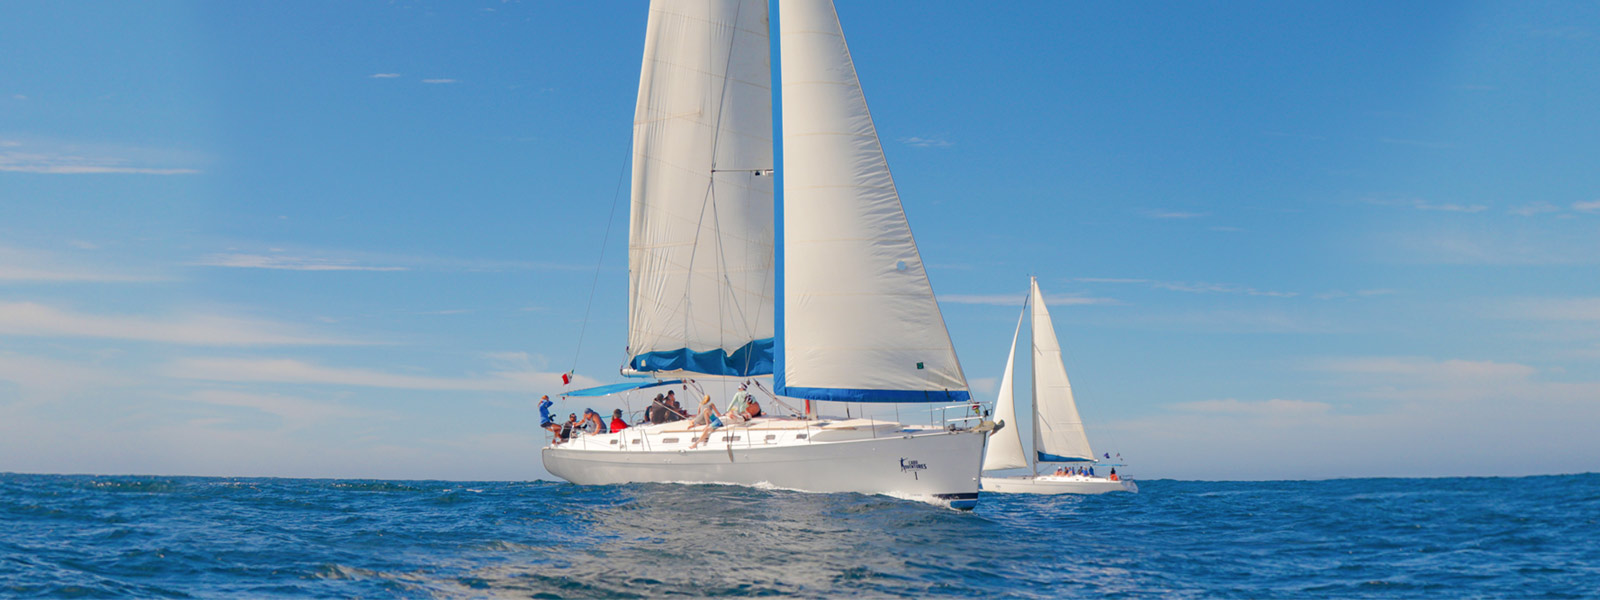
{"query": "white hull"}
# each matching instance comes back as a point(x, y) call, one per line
point(926, 464)
point(1049, 484)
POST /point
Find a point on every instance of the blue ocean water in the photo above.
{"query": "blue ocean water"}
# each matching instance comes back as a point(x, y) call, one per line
point(102, 536)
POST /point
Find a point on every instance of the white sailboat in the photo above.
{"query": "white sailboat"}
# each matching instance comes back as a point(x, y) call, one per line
point(1058, 434)
point(834, 305)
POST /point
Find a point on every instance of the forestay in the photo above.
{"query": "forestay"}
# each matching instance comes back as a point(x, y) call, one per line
point(859, 319)
point(1058, 434)
point(700, 247)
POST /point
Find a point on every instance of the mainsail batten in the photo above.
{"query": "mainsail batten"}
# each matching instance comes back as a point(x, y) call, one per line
point(860, 321)
point(700, 257)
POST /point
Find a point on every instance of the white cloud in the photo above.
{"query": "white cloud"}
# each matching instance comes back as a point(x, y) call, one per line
point(283, 370)
point(1589, 206)
point(384, 75)
point(18, 265)
point(1417, 143)
point(288, 263)
point(1173, 214)
point(1420, 204)
point(61, 158)
point(289, 408)
point(31, 319)
point(1192, 287)
point(1536, 208)
point(1552, 309)
point(1419, 369)
point(1274, 406)
point(438, 81)
point(1016, 299)
point(926, 142)
point(44, 378)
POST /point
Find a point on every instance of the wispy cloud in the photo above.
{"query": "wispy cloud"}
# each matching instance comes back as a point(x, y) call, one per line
point(1551, 309)
point(1536, 208)
point(1415, 369)
point(926, 142)
point(1426, 205)
point(58, 158)
point(288, 263)
point(1591, 206)
point(1275, 406)
point(283, 370)
point(440, 81)
point(1417, 143)
point(384, 75)
point(31, 319)
point(19, 265)
point(289, 408)
point(1154, 213)
point(1192, 287)
point(1016, 299)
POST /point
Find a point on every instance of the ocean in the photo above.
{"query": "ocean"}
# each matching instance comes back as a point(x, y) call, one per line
point(158, 537)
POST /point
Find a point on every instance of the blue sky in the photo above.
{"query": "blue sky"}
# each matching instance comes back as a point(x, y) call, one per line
point(1282, 239)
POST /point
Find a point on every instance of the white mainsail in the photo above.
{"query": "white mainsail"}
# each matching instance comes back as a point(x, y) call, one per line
point(1005, 445)
point(858, 317)
point(700, 251)
point(1058, 434)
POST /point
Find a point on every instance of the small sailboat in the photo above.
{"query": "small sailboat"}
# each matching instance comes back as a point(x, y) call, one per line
point(834, 304)
point(1058, 435)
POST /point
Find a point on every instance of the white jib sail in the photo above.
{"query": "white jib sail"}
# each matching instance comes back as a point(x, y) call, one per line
point(860, 319)
point(700, 253)
point(1005, 445)
point(1057, 429)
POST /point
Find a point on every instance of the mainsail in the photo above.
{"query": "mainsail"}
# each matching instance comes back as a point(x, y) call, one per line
point(700, 250)
point(1005, 444)
point(858, 317)
point(1058, 434)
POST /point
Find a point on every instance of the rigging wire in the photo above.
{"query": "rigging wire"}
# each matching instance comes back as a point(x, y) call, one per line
point(604, 242)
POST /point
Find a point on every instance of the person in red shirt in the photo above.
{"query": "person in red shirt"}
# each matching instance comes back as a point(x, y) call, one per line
point(617, 424)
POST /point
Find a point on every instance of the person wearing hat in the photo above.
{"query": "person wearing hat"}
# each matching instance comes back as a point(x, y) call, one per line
point(617, 424)
point(592, 423)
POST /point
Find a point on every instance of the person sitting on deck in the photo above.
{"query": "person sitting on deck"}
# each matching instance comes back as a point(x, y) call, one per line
point(675, 411)
point(591, 422)
point(707, 416)
point(567, 427)
point(1114, 474)
point(545, 420)
point(617, 424)
point(738, 409)
point(657, 413)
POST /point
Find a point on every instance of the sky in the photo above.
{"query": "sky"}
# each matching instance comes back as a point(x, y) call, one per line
point(1280, 240)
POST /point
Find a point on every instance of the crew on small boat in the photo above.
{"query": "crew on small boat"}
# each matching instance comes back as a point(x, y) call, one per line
point(617, 424)
point(1114, 474)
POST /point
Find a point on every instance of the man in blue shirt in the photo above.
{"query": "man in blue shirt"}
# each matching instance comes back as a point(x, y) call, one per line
point(545, 420)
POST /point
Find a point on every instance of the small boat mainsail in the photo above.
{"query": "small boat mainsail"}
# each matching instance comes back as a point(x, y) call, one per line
point(834, 305)
point(1058, 435)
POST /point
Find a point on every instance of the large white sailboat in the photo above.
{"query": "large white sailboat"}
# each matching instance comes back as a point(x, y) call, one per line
point(1058, 434)
point(834, 304)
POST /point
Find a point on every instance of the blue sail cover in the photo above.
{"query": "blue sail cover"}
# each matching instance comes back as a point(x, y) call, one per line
point(752, 359)
point(1047, 457)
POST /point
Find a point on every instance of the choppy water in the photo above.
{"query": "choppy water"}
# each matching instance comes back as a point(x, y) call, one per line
point(93, 536)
